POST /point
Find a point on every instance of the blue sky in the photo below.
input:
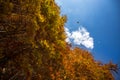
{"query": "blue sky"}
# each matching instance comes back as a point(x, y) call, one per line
point(101, 19)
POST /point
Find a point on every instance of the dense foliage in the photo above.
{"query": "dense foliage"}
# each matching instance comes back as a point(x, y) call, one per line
point(33, 47)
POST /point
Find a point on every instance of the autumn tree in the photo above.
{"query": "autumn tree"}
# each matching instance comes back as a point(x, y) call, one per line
point(31, 37)
point(80, 65)
point(33, 47)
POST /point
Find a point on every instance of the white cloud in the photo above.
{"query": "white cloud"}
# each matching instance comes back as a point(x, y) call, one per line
point(80, 37)
point(68, 35)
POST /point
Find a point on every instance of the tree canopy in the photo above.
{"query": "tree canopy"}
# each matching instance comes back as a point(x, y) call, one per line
point(33, 47)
